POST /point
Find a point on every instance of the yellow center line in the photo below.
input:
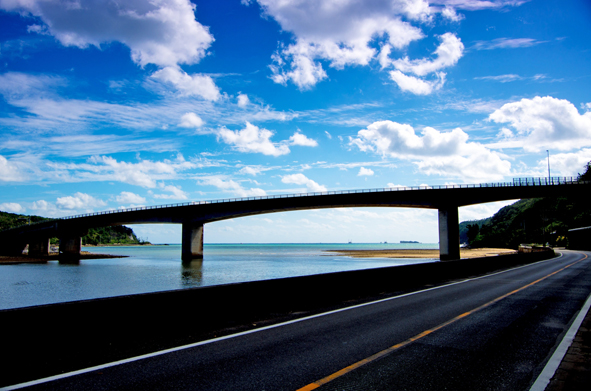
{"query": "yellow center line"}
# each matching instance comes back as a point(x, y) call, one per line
point(391, 349)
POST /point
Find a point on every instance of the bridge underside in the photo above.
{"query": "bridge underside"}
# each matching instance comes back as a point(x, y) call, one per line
point(194, 215)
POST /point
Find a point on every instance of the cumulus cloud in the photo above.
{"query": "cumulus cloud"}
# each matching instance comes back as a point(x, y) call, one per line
point(79, 201)
point(258, 140)
point(232, 187)
point(433, 152)
point(252, 139)
point(9, 172)
point(451, 14)
point(365, 171)
point(188, 85)
point(447, 54)
point(415, 85)
point(338, 33)
point(191, 120)
point(543, 123)
point(11, 207)
point(565, 164)
point(163, 32)
point(301, 139)
point(127, 197)
point(251, 170)
point(243, 100)
point(175, 193)
point(301, 179)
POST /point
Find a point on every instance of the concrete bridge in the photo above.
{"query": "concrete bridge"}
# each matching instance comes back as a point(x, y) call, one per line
point(194, 215)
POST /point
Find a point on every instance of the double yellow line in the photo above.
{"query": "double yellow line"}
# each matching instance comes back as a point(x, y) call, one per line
point(391, 349)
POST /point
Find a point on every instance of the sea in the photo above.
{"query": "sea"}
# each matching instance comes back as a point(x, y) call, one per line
point(159, 268)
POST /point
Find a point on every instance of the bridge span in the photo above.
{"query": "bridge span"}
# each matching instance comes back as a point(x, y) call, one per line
point(194, 215)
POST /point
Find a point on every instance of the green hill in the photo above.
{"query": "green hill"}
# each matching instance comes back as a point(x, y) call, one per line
point(104, 235)
point(538, 220)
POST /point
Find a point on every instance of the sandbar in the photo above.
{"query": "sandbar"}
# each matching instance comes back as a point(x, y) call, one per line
point(428, 254)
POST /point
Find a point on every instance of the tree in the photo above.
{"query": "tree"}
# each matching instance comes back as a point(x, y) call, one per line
point(473, 230)
point(586, 176)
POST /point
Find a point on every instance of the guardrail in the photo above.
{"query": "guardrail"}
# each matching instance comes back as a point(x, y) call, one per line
point(517, 182)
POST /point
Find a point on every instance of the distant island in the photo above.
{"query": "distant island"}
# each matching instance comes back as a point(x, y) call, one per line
point(409, 241)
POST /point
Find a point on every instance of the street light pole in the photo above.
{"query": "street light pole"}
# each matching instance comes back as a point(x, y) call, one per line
point(548, 151)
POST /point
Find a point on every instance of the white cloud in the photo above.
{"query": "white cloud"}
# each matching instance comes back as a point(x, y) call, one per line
point(252, 139)
point(565, 164)
point(12, 207)
point(301, 179)
point(415, 85)
point(163, 32)
point(445, 154)
point(501, 78)
point(191, 120)
point(127, 197)
point(339, 33)
point(79, 201)
point(447, 54)
point(544, 123)
point(301, 140)
point(477, 5)
point(451, 14)
point(232, 187)
point(506, 43)
point(144, 173)
point(243, 100)
point(9, 172)
point(365, 171)
point(251, 170)
point(188, 85)
point(176, 193)
point(481, 211)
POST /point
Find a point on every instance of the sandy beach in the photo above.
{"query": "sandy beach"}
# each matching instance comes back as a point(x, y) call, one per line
point(464, 253)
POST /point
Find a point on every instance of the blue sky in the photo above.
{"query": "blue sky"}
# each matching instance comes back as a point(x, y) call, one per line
point(107, 105)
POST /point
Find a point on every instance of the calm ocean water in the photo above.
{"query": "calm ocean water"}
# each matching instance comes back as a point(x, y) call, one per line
point(159, 268)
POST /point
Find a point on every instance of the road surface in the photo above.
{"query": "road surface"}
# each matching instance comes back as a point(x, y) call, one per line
point(494, 332)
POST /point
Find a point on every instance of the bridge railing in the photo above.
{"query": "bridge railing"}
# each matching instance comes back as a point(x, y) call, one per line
point(517, 182)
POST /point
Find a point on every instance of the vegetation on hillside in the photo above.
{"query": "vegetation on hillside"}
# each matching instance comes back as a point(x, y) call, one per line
point(103, 235)
point(539, 220)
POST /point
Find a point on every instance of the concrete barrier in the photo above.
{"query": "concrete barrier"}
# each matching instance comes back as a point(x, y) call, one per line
point(45, 340)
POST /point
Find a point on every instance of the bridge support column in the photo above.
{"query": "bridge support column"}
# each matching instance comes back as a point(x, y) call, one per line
point(449, 234)
point(39, 247)
point(70, 247)
point(12, 247)
point(192, 246)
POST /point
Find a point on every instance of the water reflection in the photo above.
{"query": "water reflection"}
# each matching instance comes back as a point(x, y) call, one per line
point(192, 272)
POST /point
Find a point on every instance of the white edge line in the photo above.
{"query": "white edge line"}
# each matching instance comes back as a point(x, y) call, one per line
point(209, 341)
point(550, 369)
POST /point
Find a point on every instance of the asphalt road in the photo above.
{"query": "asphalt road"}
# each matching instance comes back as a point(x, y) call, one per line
point(490, 333)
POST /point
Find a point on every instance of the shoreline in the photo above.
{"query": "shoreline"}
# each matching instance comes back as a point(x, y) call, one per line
point(117, 245)
point(421, 253)
point(13, 260)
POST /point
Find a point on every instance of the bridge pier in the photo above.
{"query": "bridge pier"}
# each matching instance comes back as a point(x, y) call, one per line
point(39, 247)
point(192, 245)
point(70, 248)
point(449, 234)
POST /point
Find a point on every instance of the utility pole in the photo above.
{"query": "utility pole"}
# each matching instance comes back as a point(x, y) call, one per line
point(548, 151)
